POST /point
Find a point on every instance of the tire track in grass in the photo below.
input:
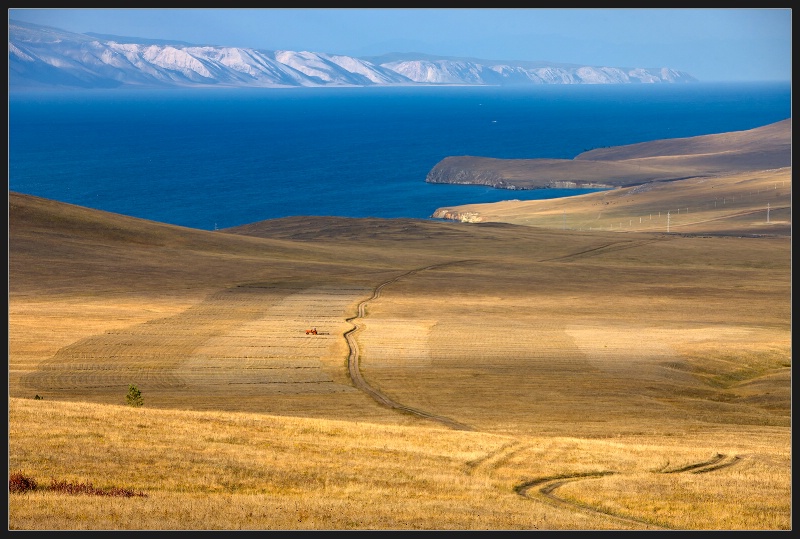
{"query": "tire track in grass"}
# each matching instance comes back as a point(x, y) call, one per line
point(734, 215)
point(546, 486)
point(495, 458)
point(717, 462)
point(353, 358)
point(605, 248)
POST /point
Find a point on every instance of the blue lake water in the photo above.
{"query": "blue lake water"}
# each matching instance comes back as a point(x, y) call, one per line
point(215, 158)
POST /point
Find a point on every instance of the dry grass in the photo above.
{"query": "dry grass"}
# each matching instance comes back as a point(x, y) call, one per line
point(222, 470)
point(569, 353)
point(750, 151)
point(734, 204)
point(593, 345)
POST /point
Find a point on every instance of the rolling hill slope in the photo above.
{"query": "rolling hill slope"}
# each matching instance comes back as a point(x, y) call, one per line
point(480, 375)
point(762, 148)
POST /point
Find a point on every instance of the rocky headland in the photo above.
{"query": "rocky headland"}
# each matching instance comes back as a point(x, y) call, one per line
point(761, 148)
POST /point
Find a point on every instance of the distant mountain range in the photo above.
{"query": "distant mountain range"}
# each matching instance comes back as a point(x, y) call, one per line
point(47, 57)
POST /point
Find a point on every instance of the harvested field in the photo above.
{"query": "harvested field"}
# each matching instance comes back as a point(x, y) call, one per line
point(248, 340)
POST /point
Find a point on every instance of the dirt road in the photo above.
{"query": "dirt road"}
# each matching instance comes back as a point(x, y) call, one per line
point(353, 359)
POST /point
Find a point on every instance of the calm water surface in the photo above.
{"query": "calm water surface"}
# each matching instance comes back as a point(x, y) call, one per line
point(225, 157)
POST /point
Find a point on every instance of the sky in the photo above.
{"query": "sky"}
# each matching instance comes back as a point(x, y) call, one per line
point(711, 44)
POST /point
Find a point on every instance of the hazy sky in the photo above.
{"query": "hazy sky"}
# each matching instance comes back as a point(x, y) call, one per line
point(712, 44)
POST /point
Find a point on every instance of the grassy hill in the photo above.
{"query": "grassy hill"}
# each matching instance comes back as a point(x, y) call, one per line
point(739, 204)
point(752, 150)
point(737, 183)
point(463, 375)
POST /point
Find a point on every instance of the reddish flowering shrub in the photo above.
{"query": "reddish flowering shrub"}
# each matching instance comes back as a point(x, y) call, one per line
point(68, 487)
point(72, 487)
point(18, 483)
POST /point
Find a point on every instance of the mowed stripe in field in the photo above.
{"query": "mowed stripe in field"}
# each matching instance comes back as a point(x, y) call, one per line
point(251, 337)
point(553, 369)
point(432, 363)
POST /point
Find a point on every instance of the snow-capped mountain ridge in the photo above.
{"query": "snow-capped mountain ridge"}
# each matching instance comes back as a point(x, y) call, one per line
point(41, 56)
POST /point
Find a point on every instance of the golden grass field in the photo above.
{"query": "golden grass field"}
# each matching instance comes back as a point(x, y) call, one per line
point(544, 377)
point(752, 203)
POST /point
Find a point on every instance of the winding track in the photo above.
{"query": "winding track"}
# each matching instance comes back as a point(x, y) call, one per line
point(545, 486)
point(605, 248)
point(353, 358)
point(717, 462)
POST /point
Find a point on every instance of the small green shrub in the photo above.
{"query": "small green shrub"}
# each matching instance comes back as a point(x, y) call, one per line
point(134, 396)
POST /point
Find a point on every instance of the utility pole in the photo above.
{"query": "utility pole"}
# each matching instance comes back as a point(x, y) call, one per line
point(768, 212)
point(667, 222)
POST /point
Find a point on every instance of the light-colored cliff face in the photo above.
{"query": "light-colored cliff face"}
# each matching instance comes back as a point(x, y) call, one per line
point(453, 215)
point(477, 72)
point(42, 56)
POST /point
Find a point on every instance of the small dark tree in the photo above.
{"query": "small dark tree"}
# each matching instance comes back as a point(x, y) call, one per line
point(134, 396)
